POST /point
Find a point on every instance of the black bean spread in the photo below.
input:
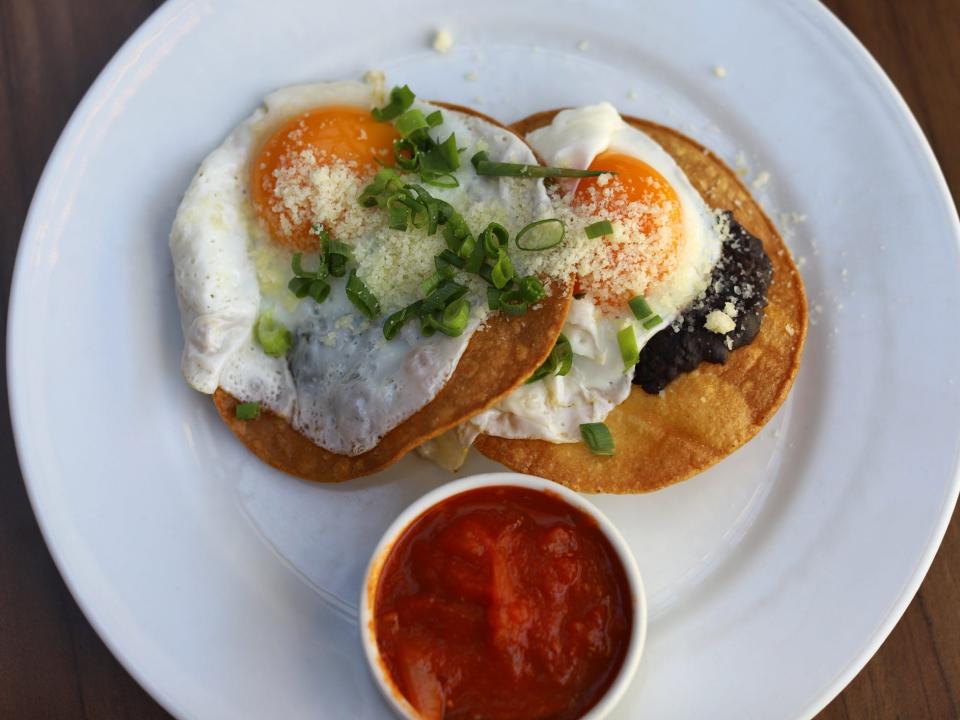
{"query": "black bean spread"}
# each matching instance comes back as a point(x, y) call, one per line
point(740, 278)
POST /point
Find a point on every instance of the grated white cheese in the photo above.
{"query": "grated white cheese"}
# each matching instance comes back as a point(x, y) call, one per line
point(719, 322)
point(442, 41)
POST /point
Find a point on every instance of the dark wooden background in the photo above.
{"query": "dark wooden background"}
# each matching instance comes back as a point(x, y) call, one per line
point(53, 665)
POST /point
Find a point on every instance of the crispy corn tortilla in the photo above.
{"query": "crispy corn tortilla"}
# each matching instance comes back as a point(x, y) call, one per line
point(498, 358)
point(702, 416)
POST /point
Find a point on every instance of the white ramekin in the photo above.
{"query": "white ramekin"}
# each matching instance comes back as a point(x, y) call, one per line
point(368, 594)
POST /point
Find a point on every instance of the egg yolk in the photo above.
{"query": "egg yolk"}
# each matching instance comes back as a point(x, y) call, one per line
point(346, 136)
point(637, 194)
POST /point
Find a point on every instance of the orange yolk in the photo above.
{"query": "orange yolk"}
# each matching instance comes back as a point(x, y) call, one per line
point(336, 135)
point(635, 182)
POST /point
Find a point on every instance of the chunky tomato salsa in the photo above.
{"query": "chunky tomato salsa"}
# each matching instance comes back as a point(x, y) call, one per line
point(503, 603)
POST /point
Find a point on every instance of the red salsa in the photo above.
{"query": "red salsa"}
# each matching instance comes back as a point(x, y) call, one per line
point(503, 603)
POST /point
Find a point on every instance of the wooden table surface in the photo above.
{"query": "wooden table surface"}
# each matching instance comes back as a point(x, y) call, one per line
point(53, 665)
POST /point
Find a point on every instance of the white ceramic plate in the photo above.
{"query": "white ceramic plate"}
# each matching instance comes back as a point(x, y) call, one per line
point(228, 589)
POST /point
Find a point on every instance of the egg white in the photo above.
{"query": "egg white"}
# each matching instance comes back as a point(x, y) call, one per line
point(342, 384)
point(554, 408)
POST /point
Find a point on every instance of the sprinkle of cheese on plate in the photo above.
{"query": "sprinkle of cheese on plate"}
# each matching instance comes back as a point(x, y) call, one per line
point(442, 41)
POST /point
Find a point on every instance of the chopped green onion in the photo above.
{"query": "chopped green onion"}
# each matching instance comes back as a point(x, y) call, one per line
point(641, 311)
point(502, 271)
point(400, 99)
point(455, 318)
point(558, 362)
point(493, 237)
point(359, 294)
point(299, 286)
point(448, 292)
point(627, 340)
point(493, 298)
point(319, 290)
point(430, 284)
point(485, 166)
point(447, 258)
point(296, 264)
point(443, 157)
point(564, 355)
point(394, 323)
point(532, 289)
point(597, 229)
point(435, 118)
point(478, 158)
point(398, 217)
point(500, 169)
point(247, 411)
point(441, 180)
point(337, 254)
point(467, 247)
point(451, 321)
point(273, 336)
point(652, 321)
point(598, 438)
point(411, 121)
point(406, 154)
point(476, 259)
point(428, 324)
point(541, 235)
point(512, 303)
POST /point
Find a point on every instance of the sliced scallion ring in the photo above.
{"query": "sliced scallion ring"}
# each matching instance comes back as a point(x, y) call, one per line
point(359, 294)
point(512, 303)
point(299, 286)
point(448, 292)
point(532, 289)
point(558, 362)
point(406, 154)
point(400, 99)
point(337, 254)
point(409, 122)
point(272, 336)
point(247, 411)
point(297, 265)
point(394, 323)
point(455, 317)
point(431, 283)
point(629, 351)
point(652, 321)
point(541, 235)
point(319, 290)
point(493, 237)
point(598, 438)
point(398, 217)
point(502, 271)
point(442, 157)
point(641, 311)
point(448, 257)
point(441, 180)
point(475, 262)
point(598, 229)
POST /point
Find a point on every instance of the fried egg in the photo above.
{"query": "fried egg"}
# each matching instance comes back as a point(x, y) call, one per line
point(299, 163)
point(664, 244)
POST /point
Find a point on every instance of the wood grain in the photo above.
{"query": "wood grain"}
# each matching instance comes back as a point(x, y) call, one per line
point(53, 665)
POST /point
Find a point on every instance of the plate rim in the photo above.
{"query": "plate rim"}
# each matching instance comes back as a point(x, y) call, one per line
point(117, 67)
